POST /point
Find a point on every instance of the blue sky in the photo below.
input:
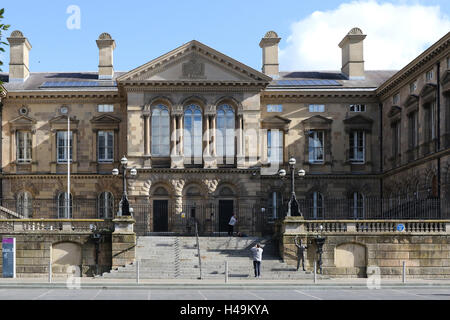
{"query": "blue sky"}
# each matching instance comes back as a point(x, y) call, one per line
point(144, 30)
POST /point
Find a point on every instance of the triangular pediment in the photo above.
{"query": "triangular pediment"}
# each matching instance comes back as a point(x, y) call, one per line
point(194, 61)
point(358, 119)
point(428, 88)
point(105, 118)
point(445, 77)
point(23, 120)
point(276, 120)
point(62, 120)
point(412, 99)
point(394, 110)
point(317, 119)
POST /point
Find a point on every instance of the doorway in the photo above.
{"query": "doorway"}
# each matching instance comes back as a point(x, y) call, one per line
point(225, 213)
point(160, 215)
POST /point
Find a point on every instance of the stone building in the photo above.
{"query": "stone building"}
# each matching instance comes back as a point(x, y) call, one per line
point(208, 135)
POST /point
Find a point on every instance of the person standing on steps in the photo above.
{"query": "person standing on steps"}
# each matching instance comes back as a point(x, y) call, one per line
point(231, 224)
point(257, 257)
point(300, 253)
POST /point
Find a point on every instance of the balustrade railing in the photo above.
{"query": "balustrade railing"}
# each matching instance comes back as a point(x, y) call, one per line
point(50, 225)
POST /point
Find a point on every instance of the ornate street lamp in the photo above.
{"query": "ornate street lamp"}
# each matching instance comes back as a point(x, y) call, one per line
point(124, 204)
point(293, 207)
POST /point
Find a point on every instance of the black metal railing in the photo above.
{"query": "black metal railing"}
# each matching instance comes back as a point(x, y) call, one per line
point(212, 218)
point(374, 208)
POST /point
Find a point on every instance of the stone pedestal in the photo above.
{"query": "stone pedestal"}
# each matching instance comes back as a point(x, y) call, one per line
point(123, 242)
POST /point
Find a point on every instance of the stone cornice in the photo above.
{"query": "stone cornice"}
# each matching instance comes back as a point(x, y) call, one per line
point(197, 86)
point(57, 176)
point(424, 59)
point(62, 97)
point(294, 96)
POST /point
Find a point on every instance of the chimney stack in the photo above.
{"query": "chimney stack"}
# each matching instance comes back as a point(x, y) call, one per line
point(269, 45)
point(353, 54)
point(106, 46)
point(19, 57)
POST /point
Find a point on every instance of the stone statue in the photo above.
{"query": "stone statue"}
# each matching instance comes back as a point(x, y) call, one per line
point(300, 253)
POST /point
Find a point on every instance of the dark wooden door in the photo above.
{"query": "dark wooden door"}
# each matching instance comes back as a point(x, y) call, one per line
point(160, 215)
point(225, 213)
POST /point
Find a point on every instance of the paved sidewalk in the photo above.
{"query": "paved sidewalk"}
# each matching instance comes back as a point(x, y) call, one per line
point(208, 283)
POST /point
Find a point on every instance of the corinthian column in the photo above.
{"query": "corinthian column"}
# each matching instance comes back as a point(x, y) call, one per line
point(174, 135)
point(208, 139)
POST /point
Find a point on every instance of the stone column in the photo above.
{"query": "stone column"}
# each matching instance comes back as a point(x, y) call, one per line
point(181, 136)
point(240, 153)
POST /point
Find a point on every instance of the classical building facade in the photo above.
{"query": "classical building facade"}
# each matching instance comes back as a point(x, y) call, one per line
point(208, 135)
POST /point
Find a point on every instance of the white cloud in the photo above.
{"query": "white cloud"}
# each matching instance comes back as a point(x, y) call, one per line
point(396, 34)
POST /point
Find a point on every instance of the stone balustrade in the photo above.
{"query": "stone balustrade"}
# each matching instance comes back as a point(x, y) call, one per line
point(55, 225)
point(297, 225)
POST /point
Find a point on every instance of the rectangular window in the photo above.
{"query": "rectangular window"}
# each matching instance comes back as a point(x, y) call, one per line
point(430, 121)
point(396, 139)
point(357, 107)
point(412, 87)
point(316, 108)
point(412, 129)
point(430, 75)
point(396, 99)
point(357, 146)
point(61, 146)
point(23, 145)
point(316, 146)
point(105, 146)
point(274, 108)
point(275, 146)
point(105, 108)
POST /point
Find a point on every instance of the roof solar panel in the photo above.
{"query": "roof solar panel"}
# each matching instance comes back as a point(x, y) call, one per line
point(313, 82)
point(62, 84)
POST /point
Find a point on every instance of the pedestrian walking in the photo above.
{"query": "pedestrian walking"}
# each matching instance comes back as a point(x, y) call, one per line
point(257, 257)
point(231, 224)
point(300, 253)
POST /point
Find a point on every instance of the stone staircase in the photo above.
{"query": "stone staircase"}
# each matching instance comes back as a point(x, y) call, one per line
point(172, 257)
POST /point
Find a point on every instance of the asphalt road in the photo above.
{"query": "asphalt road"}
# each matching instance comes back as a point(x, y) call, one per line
point(229, 294)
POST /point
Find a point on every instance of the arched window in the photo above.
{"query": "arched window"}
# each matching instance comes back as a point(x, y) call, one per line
point(25, 204)
point(160, 131)
point(357, 205)
point(193, 131)
point(65, 206)
point(316, 205)
point(225, 131)
point(105, 205)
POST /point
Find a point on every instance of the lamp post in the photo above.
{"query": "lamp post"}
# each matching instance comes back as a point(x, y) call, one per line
point(293, 207)
point(124, 204)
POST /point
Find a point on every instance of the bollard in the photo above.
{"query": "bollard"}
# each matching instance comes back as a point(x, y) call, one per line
point(226, 271)
point(50, 271)
point(315, 272)
point(404, 272)
point(137, 271)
